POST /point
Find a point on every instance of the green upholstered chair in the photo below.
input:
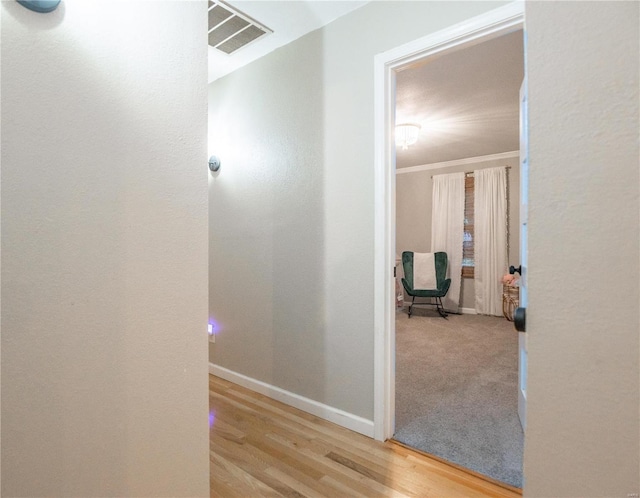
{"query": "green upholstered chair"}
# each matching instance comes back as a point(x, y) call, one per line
point(435, 295)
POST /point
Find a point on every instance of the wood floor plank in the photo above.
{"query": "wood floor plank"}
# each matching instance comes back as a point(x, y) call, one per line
point(341, 489)
point(242, 482)
point(260, 447)
point(259, 471)
point(314, 449)
point(296, 484)
point(412, 482)
point(401, 486)
point(345, 474)
point(265, 457)
point(332, 436)
point(224, 476)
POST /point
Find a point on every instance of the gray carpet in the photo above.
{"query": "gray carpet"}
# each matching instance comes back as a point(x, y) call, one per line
point(456, 391)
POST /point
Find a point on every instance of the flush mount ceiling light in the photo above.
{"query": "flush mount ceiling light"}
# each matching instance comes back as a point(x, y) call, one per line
point(407, 134)
point(40, 5)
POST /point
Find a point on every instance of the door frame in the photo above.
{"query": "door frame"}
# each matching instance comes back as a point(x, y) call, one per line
point(472, 31)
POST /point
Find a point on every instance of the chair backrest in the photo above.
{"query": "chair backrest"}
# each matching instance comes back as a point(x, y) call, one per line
point(441, 262)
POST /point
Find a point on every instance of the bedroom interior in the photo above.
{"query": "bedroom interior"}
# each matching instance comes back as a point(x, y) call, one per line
point(456, 379)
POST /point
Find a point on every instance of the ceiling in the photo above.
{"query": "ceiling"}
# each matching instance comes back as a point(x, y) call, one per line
point(289, 20)
point(466, 101)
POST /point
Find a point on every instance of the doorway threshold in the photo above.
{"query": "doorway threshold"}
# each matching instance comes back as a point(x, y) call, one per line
point(460, 468)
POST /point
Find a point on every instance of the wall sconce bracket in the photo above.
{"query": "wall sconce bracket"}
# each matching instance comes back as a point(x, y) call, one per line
point(214, 163)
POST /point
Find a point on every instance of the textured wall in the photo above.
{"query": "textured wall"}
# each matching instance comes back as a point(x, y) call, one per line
point(104, 250)
point(413, 213)
point(291, 212)
point(583, 392)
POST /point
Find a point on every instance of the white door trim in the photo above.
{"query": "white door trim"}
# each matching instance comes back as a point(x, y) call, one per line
point(478, 29)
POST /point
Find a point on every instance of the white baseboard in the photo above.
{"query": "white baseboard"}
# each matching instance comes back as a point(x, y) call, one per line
point(329, 413)
point(468, 311)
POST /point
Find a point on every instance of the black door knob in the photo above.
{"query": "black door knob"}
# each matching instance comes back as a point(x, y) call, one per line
point(519, 319)
point(513, 270)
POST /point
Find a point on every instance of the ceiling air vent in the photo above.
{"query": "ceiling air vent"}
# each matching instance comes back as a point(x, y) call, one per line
point(230, 29)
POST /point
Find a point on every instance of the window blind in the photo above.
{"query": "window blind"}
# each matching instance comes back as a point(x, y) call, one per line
point(467, 244)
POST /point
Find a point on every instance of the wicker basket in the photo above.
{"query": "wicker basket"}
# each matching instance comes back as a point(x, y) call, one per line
point(510, 301)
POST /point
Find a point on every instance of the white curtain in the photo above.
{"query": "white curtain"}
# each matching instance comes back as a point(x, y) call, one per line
point(447, 229)
point(490, 238)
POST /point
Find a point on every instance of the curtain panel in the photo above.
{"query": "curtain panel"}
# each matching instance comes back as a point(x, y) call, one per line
point(490, 238)
point(447, 230)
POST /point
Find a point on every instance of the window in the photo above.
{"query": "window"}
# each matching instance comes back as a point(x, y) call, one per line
point(467, 241)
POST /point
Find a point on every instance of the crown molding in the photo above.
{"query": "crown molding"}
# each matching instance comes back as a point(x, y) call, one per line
point(459, 162)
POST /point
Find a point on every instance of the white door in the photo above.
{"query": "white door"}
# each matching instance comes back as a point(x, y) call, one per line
point(524, 210)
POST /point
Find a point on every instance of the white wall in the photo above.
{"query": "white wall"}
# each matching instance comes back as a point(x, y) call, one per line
point(583, 327)
point(291, 212)
point(414, 191)
point(104, 250)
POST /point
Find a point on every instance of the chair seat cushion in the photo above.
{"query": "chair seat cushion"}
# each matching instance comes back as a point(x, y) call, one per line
point(428, 293)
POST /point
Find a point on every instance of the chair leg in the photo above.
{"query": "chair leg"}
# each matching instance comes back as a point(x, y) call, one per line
point(411, 305)
point(443, 314)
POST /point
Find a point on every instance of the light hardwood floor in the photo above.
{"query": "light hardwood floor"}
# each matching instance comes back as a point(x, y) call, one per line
point(260, 447)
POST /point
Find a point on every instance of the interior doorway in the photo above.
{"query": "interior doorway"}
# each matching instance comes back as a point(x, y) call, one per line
point(436, 47)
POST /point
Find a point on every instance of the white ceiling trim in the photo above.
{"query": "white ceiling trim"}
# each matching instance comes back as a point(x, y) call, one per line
point(459, 162)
